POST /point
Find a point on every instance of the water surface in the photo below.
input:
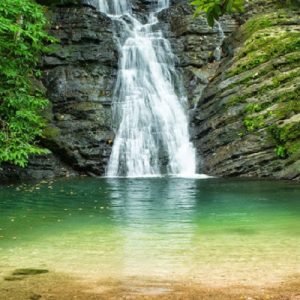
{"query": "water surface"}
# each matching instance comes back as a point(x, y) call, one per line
point(211, 230)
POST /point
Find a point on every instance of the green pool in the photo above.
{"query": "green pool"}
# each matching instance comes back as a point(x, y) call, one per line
point(210, 230)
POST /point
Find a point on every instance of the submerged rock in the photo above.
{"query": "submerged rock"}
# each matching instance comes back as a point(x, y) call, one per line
point(14, 278)
point(29, 272)
point(21, 274)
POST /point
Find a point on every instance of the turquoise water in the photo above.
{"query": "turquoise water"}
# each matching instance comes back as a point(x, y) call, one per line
point(209, 230)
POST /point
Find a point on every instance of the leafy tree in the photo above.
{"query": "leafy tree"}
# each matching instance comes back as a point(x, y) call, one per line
point(23, 38)
point(214, 9)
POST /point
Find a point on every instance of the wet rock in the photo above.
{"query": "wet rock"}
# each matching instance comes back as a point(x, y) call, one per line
point(38, 168)
point(193, 42)
point(79, 77)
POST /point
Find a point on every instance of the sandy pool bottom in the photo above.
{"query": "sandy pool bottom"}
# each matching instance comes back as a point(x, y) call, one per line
point(63, 287)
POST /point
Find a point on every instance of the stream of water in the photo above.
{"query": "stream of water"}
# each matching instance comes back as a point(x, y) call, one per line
point(152, 135)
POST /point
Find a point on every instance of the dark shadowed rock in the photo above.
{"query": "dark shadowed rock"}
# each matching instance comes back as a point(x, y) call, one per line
point(79, 77)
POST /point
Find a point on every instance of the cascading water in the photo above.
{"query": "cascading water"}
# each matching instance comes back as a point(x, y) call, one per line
point(221, 35)
point(148, 106)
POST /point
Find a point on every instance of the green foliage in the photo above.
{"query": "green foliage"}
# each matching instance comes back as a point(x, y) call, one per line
point(253, 123)
point(281, 151)
point(214, 9)
point(22, 41)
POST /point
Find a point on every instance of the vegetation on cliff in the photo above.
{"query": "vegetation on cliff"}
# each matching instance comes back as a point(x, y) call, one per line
point(268, 69)
point(23, 38)
point(215, 9)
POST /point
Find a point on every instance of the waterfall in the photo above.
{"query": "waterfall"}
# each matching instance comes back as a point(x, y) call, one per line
point(149, 111)
point(221, 35)
point(114, 7)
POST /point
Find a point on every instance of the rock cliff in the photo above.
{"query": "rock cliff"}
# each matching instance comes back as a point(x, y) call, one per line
point(247, 123)
point(244, 109)
point(79, 76)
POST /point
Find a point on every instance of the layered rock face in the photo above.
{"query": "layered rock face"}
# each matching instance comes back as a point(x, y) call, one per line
point(247, 123)
point(194, 44)
point(79, 77)
point(244, 109)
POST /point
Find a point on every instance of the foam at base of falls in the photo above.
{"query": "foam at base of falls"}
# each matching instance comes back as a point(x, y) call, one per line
point(148, 106)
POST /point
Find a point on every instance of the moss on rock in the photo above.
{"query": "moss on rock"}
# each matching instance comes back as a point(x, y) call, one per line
point(267, 72)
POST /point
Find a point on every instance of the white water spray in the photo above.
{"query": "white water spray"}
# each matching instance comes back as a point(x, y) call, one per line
point(148, 106)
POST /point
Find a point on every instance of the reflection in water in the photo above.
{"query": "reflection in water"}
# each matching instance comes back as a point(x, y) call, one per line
point(147, 219)
point(205, 230)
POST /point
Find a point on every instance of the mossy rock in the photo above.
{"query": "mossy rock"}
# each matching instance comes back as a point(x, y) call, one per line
point(51, 132)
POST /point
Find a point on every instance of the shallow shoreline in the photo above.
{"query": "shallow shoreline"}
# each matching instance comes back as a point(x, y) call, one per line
point(61, 286)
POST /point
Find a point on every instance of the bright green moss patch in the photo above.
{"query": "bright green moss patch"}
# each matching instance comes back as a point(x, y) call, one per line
point(293, 147)
point(255, 122)
point(267, 37)
point(287, 109)
point(257, 23)
point(264, 46)
point(268, 75)
point(276, 82)
point(287, 139)
point(256, 107)
point(286, 62)
point(277, 18)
